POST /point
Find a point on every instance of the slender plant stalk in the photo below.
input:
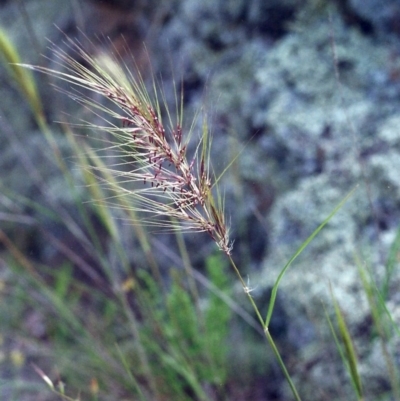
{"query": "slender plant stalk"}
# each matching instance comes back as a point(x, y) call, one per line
point(168, 185)
point(268, 336)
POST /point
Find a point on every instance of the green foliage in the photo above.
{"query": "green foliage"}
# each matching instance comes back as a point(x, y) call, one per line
point(188, 345)
point(63, 280)
point(216, 319)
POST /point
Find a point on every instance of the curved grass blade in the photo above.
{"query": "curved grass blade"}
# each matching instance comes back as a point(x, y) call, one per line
point(298, 252)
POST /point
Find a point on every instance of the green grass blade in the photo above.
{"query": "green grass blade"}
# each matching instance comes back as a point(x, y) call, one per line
point(131, 376)
point(298, 252)
point(378, 311)
point(391, 263)
point(349, 352)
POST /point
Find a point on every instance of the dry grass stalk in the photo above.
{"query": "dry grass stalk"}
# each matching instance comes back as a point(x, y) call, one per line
point(175, 193)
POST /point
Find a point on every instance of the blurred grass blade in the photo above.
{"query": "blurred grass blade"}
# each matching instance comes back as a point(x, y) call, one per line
point(391, 263)
point(349, 353)
point(21, 76)
point(379, 311)
point(84, 153)
point(338, 346)
point(298, 252)
point(382, 304)
point(128, 370)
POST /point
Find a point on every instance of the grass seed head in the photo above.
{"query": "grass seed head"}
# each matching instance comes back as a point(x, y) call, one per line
point(174, 193)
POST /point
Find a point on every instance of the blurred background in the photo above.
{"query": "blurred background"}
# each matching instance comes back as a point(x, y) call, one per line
point(304, 96)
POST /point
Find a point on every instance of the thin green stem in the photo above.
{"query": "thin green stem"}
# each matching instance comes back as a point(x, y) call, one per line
point(266, 331)
point(247, 291)
point(281, 363)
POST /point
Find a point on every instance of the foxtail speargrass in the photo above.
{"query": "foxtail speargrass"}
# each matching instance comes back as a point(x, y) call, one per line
point(173, 186)
point(176, 191)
